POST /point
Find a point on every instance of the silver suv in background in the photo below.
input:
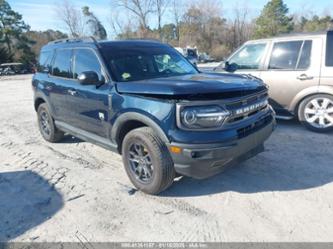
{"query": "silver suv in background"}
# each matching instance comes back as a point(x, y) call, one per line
point(298, 69)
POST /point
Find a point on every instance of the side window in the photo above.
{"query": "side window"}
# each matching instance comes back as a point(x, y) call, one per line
point(329, 49)
point(285, 55)
point(249, 57)
point(44, 61)
point(305, 56)
point(86, 60)
point(62, 64)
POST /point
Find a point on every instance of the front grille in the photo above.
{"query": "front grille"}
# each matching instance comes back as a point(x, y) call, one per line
point(247, 107)
point(243, 132)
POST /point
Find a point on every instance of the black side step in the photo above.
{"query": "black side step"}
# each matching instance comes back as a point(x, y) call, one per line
point(87, 136)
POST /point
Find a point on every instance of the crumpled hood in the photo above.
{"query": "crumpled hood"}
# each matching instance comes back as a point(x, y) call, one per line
point(203, 83)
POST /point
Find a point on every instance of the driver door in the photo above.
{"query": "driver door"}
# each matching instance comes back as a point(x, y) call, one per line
point(88, 104)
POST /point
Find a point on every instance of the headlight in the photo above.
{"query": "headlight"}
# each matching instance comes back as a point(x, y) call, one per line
point(203, 117)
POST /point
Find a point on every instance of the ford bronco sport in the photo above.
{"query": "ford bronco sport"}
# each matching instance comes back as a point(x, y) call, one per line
point(145, 101)
point(298, 68)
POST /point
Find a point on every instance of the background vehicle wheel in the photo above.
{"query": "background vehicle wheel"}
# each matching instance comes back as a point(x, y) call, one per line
point(46, 125)
point(316, 112)
point(147, 161)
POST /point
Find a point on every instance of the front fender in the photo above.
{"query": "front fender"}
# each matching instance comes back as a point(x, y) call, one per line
point(134, 116)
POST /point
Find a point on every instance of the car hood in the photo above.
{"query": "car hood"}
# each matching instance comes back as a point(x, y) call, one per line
point(203, 83)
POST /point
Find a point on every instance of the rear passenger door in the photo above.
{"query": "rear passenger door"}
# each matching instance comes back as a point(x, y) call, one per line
point(289, 69)
point(58, 80)
point(88, 104)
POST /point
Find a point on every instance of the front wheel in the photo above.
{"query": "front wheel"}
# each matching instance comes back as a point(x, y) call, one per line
point(316, 112)
point(147, 161)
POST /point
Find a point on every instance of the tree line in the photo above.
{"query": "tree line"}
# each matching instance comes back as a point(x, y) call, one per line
point(181, 23)
point(202, 23)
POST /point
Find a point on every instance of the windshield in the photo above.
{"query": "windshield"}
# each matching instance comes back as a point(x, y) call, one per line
point(132, 63)
point(248, 57)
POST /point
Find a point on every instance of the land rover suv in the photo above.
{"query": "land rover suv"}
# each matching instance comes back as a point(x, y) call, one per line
point(298, 69)
point(144, 100)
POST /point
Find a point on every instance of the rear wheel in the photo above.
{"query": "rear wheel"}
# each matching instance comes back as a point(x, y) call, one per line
point(316, 112)
point(147, 161)
point(46, 125)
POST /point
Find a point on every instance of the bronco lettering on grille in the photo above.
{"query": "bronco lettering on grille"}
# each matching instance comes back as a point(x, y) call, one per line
point(251, 108)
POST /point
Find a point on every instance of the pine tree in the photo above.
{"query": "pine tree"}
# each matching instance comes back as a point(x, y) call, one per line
point(11, 25)
point(97, 28)
point(5, 56)
point(12, 33)
point(273, 20)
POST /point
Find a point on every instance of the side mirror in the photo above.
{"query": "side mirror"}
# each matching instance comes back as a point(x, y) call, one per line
point(230, 67)
point(88, 78)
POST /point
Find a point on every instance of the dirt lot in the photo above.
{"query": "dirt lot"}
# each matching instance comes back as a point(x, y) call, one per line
point(75, 191)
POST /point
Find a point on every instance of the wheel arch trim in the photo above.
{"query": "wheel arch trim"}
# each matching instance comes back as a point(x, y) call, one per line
point(309, 92)
point(134, 116)
point(39, 96)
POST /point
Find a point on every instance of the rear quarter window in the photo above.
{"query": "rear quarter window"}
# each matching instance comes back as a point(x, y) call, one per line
point(329, 49)
point(44, 62)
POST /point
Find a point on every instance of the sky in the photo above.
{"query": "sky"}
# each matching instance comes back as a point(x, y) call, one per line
point(41, 14)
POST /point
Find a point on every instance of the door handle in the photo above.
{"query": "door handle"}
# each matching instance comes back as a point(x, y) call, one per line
point(305, 77)
point(72, 92)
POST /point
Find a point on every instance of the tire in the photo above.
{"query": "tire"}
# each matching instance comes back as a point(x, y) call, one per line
point(46, 125)
point(147, 161)
point(316, 113)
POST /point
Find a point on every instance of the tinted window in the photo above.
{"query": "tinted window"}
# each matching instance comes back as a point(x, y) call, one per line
point(131, 63)
point(305, 57)
point(329, 49)
point(86, 60)
point(285, 55)
point(249, 57)
point(62, 63)
point(44, 61)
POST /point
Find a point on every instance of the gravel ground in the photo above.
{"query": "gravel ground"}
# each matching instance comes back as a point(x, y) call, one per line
point(76, 191)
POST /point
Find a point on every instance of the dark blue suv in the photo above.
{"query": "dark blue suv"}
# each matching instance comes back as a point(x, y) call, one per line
point(144, 100)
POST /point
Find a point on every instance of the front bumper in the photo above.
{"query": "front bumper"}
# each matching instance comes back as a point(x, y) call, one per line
point(204, 160)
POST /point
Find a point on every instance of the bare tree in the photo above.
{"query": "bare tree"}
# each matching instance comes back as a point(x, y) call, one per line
point(140, 9)
point(202, 24)
point(304, 12)
point(177, 13)
point(71, 17)
point(240, 25)
point(116, 25)
point(161, 6)
point(122, 27)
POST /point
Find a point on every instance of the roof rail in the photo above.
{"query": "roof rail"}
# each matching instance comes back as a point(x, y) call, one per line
point(302, 33)
point(79, 39)
point(143, 39)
